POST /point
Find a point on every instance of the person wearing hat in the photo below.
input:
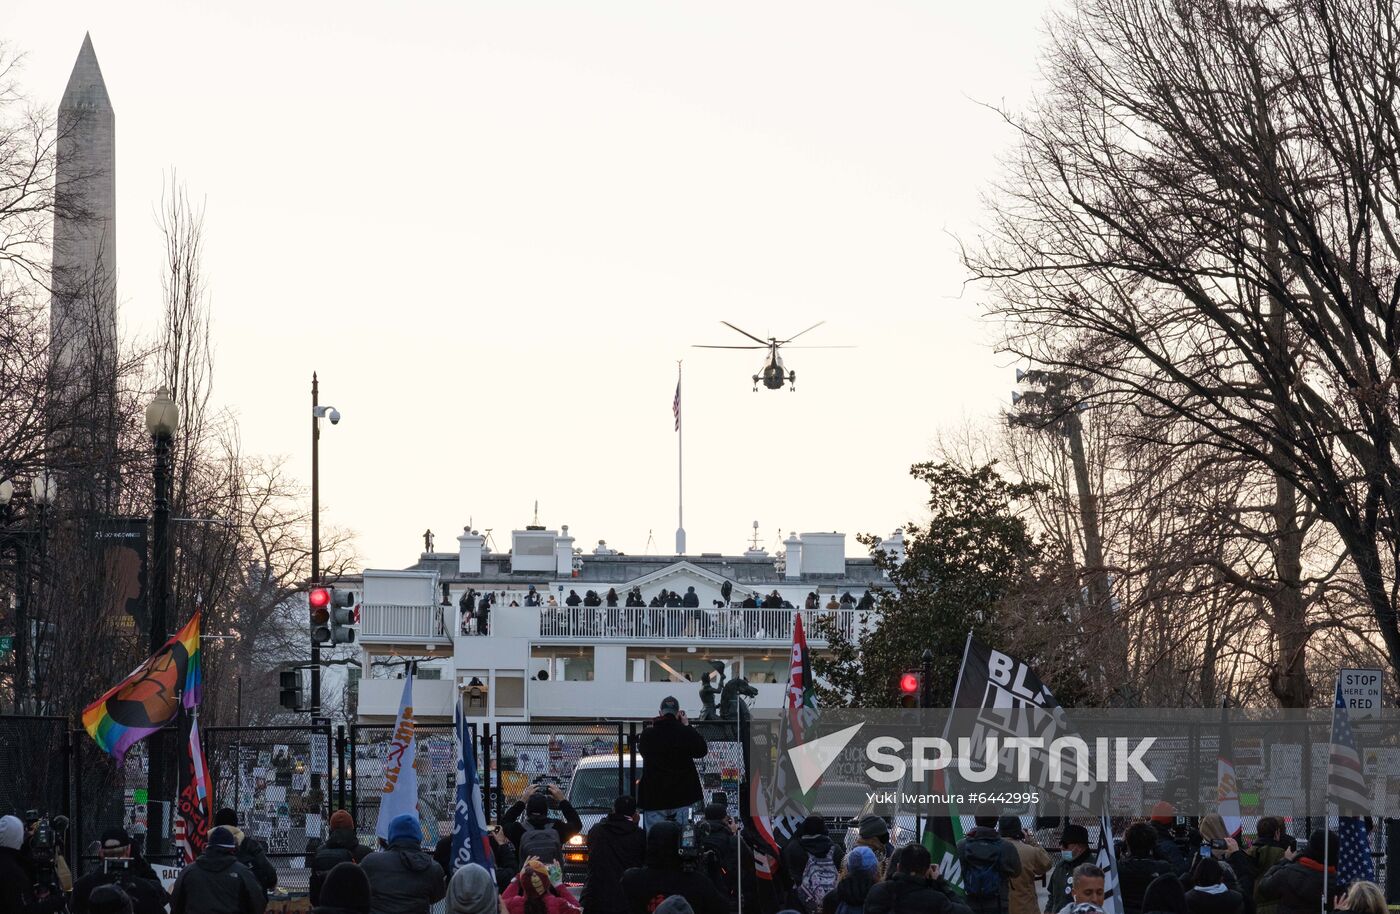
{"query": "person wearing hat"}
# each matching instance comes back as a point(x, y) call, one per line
point(217, 883)
point(344, 890)
point(537, 834)
point(873, 831)
point(342, 845)
point(1295, 882)
point(120, 863)
point(1163, 818)
point(250, 852)
point(403, 878)
point(1074, 852)
point(669, 748)
point(1035, 863)
point(1211, 895)
point(18, 894)
point(472, 890)
point(859, 873)
point(662, 876)
point(615, 845)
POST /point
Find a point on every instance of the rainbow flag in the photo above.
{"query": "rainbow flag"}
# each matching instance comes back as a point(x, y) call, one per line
point(151, 696)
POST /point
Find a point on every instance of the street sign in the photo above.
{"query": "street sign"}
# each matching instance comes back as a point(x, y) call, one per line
point(7, 644)
point(1361, 690)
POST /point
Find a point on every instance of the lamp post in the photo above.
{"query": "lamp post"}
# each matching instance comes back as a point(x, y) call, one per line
point(318, 412)
point(162, 420)
point(43, 492)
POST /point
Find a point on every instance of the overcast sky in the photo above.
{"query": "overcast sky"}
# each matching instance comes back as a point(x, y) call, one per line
point(493, 228)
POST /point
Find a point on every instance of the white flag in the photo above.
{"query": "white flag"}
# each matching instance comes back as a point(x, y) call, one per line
point(399, 796)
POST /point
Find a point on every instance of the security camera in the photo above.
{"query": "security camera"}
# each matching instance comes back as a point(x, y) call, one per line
point(334, 416)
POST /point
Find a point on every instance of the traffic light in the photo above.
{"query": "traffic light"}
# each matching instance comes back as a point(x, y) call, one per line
point(289, 693)
point(910, 682)
point(318, 599)
point(332, 614)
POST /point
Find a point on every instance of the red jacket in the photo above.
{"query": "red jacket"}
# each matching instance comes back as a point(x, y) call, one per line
point(559, 901)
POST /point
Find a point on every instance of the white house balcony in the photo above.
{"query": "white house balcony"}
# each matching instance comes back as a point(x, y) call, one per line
point(730, 624)
point(415, 623)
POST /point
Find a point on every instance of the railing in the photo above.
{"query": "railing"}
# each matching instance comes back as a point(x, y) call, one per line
point(405, 620)
point(662, 624)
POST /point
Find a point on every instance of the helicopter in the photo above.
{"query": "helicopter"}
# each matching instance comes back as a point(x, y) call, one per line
point(773, 375)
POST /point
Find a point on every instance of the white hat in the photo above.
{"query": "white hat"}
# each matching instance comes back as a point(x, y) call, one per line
point(11, 832)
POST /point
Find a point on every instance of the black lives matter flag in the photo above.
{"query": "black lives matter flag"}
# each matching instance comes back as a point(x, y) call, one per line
point(999, 695)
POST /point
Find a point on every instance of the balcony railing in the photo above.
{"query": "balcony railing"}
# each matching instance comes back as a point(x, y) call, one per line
point(663, 624)
point(407, 621)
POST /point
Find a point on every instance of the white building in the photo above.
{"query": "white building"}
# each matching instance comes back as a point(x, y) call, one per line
point(560, 662)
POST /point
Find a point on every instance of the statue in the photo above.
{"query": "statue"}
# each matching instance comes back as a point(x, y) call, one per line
point(427, 541)
point(731, 703)
point(711, 686)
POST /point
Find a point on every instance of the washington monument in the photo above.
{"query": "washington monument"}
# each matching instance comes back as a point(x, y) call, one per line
point(83, 312)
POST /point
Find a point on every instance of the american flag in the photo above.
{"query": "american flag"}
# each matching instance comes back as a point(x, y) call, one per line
point(676, 406)
point(1347, 788)
point(1345, 785)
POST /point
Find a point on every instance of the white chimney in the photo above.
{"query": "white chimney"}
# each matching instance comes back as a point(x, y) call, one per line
point(792, 566)
point(564, 553)
point(824, 553)
point(469, 547)
point(893, 547)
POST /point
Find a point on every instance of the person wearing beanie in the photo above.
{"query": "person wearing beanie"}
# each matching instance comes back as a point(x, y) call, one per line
point(217, 883)
point(534, 892)
point(1166, 848)
point(661, 876)
point(874, 832)
point(1295, 882)
point(859, 873)
point(1074, 851)
point(342, 845)
point(250, 853)
point(1211, 895)
point(811, 841)
point(119, 861)
point(472, 890)
point(615, 845)
point(344, 890)
point(1164, 895)
point(537, 824)
point(17, 890)
point(403, 878)
point(669, 748)
point(1035, 863)
point(109, 899)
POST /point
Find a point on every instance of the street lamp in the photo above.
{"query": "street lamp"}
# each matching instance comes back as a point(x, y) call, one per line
point(162, 421)
point(318, 412)
point(43, 492)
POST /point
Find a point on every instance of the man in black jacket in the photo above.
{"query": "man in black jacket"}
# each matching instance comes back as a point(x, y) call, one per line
point(615, 845)
point(1074, 850)
point(535, 806)
point(403, 879)
point(646, 886)
point(217, 883)
point(670, 782)
point(18, 894)
point(120, 865)
point(1295, 883)
point(915, 888)
point(250, 851)
point(988, 862)
point(1139, 866)
point(811, 839)
point(341, 846)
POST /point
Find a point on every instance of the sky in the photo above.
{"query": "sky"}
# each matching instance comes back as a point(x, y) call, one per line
point(493, 228)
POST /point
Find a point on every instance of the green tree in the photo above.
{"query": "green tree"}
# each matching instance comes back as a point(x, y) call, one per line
point(974, 553)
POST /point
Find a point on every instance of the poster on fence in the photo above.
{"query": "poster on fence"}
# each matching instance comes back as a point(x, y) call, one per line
point(320, 764)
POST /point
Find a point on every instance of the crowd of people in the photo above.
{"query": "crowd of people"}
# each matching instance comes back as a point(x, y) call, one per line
point(647, 856)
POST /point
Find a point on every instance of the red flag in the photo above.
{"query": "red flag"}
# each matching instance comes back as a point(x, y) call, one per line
point(192, 825)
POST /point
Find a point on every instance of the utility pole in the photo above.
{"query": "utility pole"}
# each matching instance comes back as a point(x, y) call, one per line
point(162, 419)
point(315, 538)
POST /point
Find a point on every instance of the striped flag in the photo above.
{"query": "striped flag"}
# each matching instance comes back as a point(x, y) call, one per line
point(1345, 785)
point(676, 405)
point(1227, 792)
point(192, 823)
point(470, 842)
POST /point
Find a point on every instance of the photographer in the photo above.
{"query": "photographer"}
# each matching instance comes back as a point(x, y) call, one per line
point(18, 893)
point(123, 867)
point(663, 876)
point(615, 845)
point(538, 835)
point(669, 748)
point(718, 836)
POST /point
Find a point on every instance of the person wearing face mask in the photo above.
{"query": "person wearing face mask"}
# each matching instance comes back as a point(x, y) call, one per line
point(1074, 851)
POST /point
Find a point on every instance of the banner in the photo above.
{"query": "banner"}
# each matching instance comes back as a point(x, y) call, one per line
point(470, 841)
point(120, 543)
point(993, 684)
point(151, 696)
point(192, 824)
point(1227, 791)
point(399, 796)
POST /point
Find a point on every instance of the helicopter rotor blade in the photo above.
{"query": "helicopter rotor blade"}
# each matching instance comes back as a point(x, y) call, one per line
point(796, 335)
point(764, 343)
point(703, 346)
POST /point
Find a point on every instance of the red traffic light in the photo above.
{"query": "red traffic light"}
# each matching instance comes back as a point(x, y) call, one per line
point(909, 683)
point(319, 597)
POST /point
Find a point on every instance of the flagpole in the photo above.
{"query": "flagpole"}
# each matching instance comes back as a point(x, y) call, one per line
point(680, 469)
point(1327, 832)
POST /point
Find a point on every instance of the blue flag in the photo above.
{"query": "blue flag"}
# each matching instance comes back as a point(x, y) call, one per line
point(470, 842)
point(399, 795)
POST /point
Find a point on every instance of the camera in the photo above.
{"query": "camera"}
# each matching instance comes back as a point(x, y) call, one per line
point(334, 416)
point(693, 854)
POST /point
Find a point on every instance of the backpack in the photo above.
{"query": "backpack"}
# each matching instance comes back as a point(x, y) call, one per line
point(540, 841)
point(981, 867)
point(818, 880)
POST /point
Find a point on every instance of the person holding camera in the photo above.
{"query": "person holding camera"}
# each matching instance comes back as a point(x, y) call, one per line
point(615, 845)
point(18, 893)
point(122, 866)
point(538, 835)
point(669, 747)
point(664, 874)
